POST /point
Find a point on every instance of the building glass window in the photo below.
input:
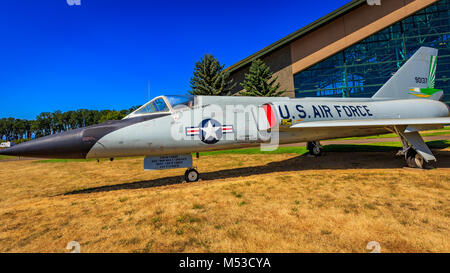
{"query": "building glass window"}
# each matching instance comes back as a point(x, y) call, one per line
point(360, 70)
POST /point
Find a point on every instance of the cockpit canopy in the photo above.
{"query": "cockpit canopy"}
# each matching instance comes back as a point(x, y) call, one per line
point(164, 104)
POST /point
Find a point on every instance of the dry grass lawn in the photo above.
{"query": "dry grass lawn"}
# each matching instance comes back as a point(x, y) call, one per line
point(244, 203)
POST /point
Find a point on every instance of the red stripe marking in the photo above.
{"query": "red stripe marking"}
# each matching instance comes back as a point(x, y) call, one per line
point(192, 131)
point(269, 114)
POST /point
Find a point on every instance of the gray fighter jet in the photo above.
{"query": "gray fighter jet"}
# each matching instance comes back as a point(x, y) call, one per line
point(168, 129)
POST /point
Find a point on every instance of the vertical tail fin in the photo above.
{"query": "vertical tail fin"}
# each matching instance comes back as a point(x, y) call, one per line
point(415, 79)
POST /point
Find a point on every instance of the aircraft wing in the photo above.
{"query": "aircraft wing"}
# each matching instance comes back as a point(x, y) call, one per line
point(367, 123)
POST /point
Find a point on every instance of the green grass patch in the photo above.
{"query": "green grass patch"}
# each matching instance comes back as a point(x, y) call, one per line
point(198, 206)
point(441, 132)
point(380, 146)
point(6, 157)
point(187, 218)
point(237, 195)
point(63, 160)
point(79, 160)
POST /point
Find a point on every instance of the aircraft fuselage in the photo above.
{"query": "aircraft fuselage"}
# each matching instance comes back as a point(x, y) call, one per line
point(172, 134)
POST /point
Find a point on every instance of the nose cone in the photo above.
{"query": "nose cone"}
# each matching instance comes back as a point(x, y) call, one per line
point(68, 144)
point(72, 144)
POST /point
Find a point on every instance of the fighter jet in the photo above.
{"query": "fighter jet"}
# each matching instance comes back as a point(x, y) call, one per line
point(169, 129)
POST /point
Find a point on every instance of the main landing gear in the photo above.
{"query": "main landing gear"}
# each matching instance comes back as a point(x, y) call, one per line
point(416, 152)
point(191, 175)
point(314, 148)
point(415, 160)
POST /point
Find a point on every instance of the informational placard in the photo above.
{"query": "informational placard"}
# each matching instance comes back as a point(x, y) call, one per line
point(167, 162)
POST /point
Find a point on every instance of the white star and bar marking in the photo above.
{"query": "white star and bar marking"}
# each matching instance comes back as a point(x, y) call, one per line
point(210, 131)
point(192, 131)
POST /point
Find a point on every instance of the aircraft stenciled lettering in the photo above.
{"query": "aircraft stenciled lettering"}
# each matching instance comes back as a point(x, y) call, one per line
point(316, 112)
point(301, 112)
point(285, 114)
point(421, 80)
point(326, 111)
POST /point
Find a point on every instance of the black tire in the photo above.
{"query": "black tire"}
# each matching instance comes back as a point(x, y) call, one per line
point(415, 160)
point(309, 146)
point(191, 175)
point(409, 157)
point(314, 149)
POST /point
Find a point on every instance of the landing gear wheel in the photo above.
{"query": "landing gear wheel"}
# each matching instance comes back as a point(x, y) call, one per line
point(191, 175)
point(314, 148)
point(415, 160)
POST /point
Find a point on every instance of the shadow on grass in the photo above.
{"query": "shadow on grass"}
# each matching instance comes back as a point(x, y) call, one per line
point(337, 157)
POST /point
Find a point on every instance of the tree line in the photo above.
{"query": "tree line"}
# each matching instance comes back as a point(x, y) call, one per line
point(47, 123)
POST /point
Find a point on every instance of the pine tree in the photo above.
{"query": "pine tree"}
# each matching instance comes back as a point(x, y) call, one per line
point(259, 82)
point(210, 79)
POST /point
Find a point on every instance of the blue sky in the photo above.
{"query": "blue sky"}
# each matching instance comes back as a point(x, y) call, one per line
point(101, 55)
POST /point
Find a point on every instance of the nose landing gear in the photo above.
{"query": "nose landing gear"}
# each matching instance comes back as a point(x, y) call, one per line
point(191, 175)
